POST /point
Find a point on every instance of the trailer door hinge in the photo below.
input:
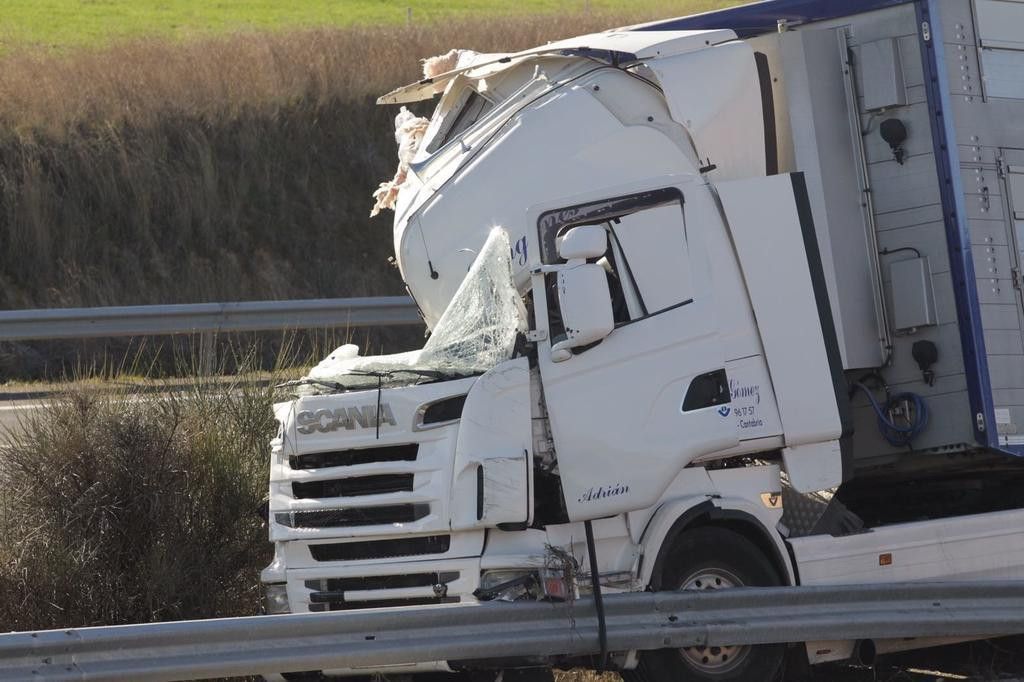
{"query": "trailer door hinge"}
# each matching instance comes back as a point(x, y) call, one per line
point(1015, 275)
point(926, 31)
point(535, 335)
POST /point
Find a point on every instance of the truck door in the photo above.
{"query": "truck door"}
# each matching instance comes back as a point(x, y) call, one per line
point(1005, 326)
point(1013, 166)
point(629, 411)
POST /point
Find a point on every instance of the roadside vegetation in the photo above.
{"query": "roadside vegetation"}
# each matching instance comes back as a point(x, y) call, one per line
point(179, 151)
point(231, 167)
point(70, 23)
point(228, 168)
point(125, 506)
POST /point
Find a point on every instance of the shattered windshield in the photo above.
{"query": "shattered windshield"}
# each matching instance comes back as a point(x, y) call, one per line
point(476, 332)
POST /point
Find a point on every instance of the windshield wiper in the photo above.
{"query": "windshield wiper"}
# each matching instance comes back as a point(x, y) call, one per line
point(379, 375)
point(310, 382)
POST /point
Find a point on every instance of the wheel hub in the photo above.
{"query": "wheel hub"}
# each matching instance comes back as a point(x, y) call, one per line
point(713, 660)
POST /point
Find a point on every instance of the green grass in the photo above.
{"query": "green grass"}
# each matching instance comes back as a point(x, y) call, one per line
point(72, 23)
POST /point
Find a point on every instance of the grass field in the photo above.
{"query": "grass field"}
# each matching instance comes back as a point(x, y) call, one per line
point(69, 23)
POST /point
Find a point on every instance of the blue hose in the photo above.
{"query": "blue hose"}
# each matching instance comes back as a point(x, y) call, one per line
point(894, 434)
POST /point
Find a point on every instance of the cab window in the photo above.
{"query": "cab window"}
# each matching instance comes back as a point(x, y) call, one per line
point(652, 243)
point(647, 259)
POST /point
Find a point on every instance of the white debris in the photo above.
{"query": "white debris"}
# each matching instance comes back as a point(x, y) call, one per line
point(449, 61)
point(409, 129)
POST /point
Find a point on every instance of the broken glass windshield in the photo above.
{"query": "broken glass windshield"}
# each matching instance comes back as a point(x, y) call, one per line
point(476, 332)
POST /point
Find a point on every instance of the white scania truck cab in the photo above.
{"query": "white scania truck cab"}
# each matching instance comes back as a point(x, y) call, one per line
point(719, 301)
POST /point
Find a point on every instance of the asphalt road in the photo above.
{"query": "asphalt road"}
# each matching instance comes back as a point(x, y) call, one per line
point(11, 411)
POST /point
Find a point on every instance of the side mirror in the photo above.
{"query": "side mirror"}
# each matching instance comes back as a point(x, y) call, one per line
point(583, 242)
point(586, 306)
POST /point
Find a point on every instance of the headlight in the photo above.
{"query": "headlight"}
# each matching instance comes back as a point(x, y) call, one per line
point(439, 413)
point(505, 585)
point(275, 598)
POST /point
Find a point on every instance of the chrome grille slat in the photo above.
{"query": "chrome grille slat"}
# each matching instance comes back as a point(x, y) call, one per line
point(353, 487)
point(337, 458)
point(353, 516)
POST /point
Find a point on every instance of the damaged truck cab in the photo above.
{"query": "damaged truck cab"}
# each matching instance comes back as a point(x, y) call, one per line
point(651, 297)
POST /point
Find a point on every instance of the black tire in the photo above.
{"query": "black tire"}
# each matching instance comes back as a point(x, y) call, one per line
point(711, 558)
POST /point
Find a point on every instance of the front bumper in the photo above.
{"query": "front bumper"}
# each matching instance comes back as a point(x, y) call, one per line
point(395, 585)
point(371, 585)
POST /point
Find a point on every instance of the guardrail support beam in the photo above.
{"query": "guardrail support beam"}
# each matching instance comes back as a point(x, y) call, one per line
point(198, 318)
point(228, 647)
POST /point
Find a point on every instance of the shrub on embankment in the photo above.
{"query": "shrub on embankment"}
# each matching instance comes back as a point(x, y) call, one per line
point(128, 507)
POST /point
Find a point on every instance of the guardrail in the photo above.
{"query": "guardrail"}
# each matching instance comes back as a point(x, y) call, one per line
point(153, 320)
point(322, 641)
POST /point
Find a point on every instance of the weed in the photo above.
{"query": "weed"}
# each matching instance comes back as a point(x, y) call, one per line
point(123, 507)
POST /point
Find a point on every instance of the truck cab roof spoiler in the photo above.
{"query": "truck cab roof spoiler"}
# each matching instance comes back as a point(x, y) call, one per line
point(617, 46)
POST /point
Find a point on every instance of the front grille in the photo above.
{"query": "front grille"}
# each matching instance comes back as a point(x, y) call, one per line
point(382, 582)
point(353, 487)
point(380, 549)
point(344, 458)
point(329, 593)
point(382, 604)
point(356, 516)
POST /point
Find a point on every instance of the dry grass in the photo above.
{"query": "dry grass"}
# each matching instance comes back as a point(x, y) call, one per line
point(141, 82)
point(126, 507)
point(230, 168)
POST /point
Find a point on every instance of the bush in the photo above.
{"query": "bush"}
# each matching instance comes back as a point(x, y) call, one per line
point(130, 507)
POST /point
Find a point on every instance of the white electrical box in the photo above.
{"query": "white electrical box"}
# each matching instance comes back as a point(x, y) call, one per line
point(913, 302)
point(881, 73)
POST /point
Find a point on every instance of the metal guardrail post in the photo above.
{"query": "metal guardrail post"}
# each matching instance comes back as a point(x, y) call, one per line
point(208, 353)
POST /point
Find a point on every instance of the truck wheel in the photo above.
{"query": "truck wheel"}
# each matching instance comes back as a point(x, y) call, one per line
point(713, 559)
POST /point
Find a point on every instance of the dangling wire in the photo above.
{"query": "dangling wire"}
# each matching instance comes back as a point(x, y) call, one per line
point(380, 388)
point(595, 586)
point(893, 433)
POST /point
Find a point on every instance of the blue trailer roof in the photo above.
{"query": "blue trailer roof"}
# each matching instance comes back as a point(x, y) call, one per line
point(763, 17)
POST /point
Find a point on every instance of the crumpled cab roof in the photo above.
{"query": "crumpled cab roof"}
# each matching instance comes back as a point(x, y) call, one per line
point(620, 46)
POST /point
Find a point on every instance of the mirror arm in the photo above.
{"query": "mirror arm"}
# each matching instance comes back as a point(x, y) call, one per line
point(561, 351)
point(558, 267)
